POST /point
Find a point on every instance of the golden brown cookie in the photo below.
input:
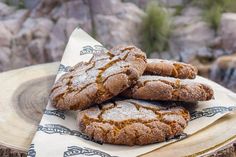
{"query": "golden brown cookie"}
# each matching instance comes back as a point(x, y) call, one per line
point(170, 68)
point(103, 77)
point(133, 122)
point(167, 88)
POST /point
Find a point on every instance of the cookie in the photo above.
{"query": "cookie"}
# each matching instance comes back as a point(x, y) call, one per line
point(167, 88)
point(170, 68)
point(133, 122)
point(103, 77)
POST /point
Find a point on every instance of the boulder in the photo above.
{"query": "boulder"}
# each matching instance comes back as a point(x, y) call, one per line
point(14, 21)
point(42, 28)
point(223, 71)
point(58, 11)
point(5, 36)
point(57, 40)
point(191, 37)
point(5, 54)
point(118, 28)
point(20, 57)
point(54, 49)
point(33, 28)
point(171, 3)
point(5, 9)
point(36, 50)
point(227, 31)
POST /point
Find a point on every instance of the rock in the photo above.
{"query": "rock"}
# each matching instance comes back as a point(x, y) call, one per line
point(44, 7)
point(204, 52)
point(171, 3)
point(124, 32)
point(227, 31)
point(78, 10)
point(5, 54)
point(30, 4)
point(192, 36)
point(57, 40)
point(42, 28)
point(183, 21)
point(220, 52)
point(107, 8)
point(216, 43)
point(191, 11)
point(18, 14)
point(58, 12)
point(54, 49)
point(33, 28)
point(5, 36)
point(23, 37)
point(36, 49)
point(59, 30)
point(71, 24)
point(5, 9)
point(20, 57)
point(223, 71)
point(14, 21)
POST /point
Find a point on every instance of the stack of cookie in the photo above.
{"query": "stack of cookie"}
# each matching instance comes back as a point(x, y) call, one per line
point(124, 98)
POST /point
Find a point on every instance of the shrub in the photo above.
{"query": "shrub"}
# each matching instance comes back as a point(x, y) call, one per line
point(155, 29)
point(213, 16)
point(214, 8)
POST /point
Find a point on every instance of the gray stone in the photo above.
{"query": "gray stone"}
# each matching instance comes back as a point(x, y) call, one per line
point(5, 36)
point(223, 71)
point(227, 31)
point(192, 11)
point(192, 36)
point(20, 57)
point(54, 50)
point(204, 52)
point(59, 30)
point(42, 28)
point(19, 14)
point(36, 49)
point(111, 30)
point(14, 21)
point(5, 54)
point(184, 21)
point(78, 10)
point(71, 24)
point(171, 3)
point(23, 37)
point(44, 8)
point(5, 9)
point(58, 12)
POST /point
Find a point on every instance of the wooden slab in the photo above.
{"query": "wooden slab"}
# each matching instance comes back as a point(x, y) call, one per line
point(24, 94)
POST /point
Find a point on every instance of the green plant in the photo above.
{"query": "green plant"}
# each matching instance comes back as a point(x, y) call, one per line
point(212, 10)
point(213, 16)
point(178, 10)
point(20, 4)
point(155, 29)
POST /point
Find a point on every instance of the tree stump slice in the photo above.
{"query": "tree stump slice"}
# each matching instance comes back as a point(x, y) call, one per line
point(24, 95)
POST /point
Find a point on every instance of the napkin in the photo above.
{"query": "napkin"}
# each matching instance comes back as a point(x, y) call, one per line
point(58, 135)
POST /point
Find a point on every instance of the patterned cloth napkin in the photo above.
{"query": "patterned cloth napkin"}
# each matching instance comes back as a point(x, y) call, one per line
point(58, 134)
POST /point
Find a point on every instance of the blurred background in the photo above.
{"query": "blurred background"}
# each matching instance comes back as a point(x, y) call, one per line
point(200, 32)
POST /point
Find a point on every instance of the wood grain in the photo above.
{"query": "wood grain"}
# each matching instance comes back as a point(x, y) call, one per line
point(24, 94)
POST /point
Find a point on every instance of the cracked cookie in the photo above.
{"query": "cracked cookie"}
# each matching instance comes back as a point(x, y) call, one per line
point(103, 77)
point(167, 88)
point(170, 68)
point(133, 122)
